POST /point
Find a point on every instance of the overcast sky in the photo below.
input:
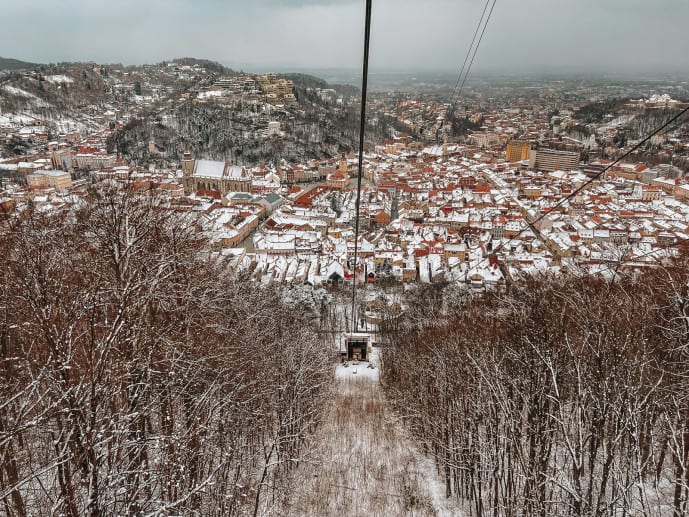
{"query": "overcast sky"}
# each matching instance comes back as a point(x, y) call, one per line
point(406, 34)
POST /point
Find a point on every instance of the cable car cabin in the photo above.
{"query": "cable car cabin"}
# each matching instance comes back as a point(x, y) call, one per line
point(357, 347)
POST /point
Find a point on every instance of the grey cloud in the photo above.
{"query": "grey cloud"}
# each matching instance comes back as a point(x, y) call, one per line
point(407, 34)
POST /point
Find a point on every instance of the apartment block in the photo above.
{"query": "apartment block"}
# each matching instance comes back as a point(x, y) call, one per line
point(548, 160)
point(517, 151)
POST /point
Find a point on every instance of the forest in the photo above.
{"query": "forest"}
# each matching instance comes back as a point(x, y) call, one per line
point(560, 396)
point(596, 111)
point(313, 129)
point(138, 376)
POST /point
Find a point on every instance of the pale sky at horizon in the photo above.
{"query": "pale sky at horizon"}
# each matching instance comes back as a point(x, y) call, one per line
point(610, 35)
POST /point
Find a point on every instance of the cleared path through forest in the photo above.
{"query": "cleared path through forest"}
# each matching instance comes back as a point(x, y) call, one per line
point(361, 461)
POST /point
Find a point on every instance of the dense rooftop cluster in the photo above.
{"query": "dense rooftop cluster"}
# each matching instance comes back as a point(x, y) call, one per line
point(481, 206)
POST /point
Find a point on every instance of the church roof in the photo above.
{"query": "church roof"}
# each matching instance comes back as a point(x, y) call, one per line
point(219, 170)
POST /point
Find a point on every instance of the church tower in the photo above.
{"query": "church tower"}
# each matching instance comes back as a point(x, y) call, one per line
point(343, 166)
point(188, 164)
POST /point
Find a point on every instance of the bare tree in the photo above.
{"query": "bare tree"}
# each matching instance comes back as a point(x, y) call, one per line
point(139, 377)
point(561, 396)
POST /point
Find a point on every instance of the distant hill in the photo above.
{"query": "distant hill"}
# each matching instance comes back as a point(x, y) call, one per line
point(595, 112)
point(15, 64)
point(305, 80)
point(210, 66)
point(235, 128)
point(53, 91)
point(311, 81)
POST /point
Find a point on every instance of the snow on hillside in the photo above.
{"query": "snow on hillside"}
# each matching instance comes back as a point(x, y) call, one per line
point(59, 123)
point(15, 119)
point(35, 101)
point(59, 79)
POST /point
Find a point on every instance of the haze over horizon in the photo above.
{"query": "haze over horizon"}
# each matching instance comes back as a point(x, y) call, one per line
point(612, 36)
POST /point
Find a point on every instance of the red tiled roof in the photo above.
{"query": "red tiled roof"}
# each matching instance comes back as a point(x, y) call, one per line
point(208, 193)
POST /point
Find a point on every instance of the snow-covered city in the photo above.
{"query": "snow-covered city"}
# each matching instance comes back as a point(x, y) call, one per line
point(350, 260)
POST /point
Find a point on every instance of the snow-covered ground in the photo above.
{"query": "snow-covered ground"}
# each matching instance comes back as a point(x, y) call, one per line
point(211, 93)
point(362, 462)
point(61, 123)
point(58, 79)
point(360, 369)
point(11, 120)
point(35, 101)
